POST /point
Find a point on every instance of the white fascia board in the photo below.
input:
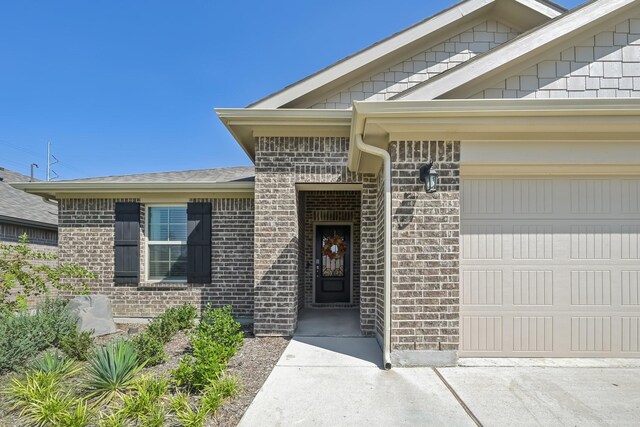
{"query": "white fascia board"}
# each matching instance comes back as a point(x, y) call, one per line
point(527, 45)
point(247, 123)
point(494, 107)
point(544, 8)
point(236, 116)
point(370, 54)
point(478, 116)
point(52, 189)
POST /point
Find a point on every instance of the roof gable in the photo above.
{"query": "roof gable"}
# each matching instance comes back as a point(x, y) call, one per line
point(475, 40)
point(604, 65)
point(523, 52)
point(520, 15)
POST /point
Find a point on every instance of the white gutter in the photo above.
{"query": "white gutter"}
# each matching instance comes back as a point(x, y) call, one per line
point(386, 158)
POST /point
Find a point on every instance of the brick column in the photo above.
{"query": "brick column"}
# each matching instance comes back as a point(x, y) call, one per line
point(426, 228)
point(276, 240)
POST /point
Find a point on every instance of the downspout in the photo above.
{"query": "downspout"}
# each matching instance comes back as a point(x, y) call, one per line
point(386, 160)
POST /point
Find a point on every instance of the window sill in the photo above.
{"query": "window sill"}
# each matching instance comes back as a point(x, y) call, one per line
point(177, 285)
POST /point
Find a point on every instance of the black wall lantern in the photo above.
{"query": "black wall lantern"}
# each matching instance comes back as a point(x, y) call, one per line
point(429, 178)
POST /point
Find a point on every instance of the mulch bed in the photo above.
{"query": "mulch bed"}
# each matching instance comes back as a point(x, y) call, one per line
point(252, 365)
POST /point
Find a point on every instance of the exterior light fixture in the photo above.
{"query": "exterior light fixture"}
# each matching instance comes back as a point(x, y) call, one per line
point(429, 178)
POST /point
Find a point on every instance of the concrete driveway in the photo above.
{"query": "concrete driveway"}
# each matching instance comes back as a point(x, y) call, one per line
point(337, 381)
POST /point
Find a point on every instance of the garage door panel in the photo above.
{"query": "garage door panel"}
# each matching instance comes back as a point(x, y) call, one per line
point(630, 242)
point(590, 196)
point(631, 196)
point(630, 292)
point(554, 272)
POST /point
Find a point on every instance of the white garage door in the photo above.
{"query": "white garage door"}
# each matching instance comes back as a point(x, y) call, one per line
point(550, 267)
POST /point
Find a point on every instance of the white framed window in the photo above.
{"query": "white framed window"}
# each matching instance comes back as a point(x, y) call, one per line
point(167, 243)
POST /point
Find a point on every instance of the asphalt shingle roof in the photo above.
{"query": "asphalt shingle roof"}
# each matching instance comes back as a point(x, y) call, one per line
point(19, 205)
point(232, 174)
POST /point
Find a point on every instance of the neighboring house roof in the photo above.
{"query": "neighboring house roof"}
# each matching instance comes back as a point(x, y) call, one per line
point(202, 182)
point(522, 52)
point(19, 207)
point(230, 174)
point(519, 14)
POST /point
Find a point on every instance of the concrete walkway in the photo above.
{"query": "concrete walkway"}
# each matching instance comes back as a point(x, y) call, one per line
point(332, 381)
point(338, 381)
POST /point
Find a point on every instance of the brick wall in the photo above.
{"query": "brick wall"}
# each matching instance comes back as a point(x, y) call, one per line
point(281, 163)
point(425, 295)
point(606, 65)
point(87, 237)
point(330, 207)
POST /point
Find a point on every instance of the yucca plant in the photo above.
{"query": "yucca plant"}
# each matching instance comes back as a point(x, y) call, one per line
point(112, 369)
point(57, 364)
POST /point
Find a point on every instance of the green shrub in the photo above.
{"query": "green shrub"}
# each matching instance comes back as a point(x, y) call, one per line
point(56, 364)
point(77, 345)
point(149, 348)
point(112, 369)
point(183, 316)
point(174, 319)
point(221, 327)
point(24, 335)
point(22, 275)
point(162, 328)
point(203, 366)
point(214, 341)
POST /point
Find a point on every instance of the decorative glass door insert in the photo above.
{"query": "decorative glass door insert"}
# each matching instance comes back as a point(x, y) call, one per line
point(332, 264)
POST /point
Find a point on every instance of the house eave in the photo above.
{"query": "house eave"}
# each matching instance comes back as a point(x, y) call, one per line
point(566, 119)
point(56, 190)
point(28, 223)
point(247, 124)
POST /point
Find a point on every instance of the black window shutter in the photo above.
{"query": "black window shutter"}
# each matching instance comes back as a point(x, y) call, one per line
point(199, 243)
point(127, 243)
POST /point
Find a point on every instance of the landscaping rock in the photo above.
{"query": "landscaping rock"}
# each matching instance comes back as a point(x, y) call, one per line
point(94, 313)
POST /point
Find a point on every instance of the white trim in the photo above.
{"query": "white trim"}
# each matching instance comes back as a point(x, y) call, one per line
point(532, 44)
point(147, 242)
point(315, 233)
point(55, 189)
point(604, 119)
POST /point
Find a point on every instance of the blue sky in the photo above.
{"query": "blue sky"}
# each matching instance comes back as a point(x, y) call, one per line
point(129, 86)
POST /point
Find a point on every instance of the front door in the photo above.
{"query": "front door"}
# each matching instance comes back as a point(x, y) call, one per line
point(333, 264)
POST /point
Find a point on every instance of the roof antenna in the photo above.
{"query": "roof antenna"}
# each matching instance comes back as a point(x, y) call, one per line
point(51, 163)
point(33, 165)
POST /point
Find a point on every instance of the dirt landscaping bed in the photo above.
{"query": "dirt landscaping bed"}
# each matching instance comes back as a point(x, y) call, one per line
point(252, 364)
